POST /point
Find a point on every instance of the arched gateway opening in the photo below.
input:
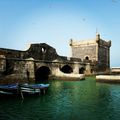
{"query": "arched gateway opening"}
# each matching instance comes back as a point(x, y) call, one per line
point(66, 69)
point(42, 74)
point(81, 70)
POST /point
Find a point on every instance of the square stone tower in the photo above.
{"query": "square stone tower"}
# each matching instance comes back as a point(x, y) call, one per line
point(96, 50)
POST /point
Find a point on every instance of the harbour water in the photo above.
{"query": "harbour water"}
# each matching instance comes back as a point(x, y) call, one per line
point(66, 100)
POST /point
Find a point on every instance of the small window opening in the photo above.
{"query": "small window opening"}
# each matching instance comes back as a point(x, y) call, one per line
point(87, 58)
point(43, 50)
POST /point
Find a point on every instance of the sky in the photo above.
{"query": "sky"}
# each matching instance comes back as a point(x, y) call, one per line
point(55, 22)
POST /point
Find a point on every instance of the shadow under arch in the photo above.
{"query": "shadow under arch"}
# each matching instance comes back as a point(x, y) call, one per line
point(42, 74)
point(66, 69)
point(81, 70)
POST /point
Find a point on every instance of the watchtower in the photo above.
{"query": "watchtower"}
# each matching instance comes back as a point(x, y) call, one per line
point(96, 50)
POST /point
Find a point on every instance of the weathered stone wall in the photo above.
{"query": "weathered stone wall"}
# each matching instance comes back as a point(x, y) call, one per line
point(85, 52)
point(104, 54)
point(40, 52)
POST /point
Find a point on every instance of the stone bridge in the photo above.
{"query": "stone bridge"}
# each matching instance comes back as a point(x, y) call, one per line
point(41, 62)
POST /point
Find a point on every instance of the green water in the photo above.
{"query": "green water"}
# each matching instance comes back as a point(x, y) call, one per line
point(66, 100)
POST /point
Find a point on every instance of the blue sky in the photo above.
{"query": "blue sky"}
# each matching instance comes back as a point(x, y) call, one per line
point(55, 22)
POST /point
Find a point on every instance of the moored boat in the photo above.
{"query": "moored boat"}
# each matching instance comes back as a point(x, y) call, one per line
point(23, 89)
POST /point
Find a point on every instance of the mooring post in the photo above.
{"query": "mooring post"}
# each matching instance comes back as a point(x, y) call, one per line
point(44, 91)
point(21, 94)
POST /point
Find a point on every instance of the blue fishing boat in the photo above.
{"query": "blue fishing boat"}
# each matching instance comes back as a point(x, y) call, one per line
point(33, 88)
point(9, 89)
point(23, 89)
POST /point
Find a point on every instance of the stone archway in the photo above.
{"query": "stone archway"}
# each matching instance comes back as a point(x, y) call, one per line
point(42, 74)
point(81, 70)
point(66, 69)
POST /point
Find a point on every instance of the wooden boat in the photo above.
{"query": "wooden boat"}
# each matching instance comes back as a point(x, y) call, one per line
point(23, 89)
point(33, 88)
point(9, 89)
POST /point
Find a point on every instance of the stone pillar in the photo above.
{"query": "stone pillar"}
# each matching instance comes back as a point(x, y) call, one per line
point(88, 69)
point(29, 69)
point(55, 70)
point(76, 68)
point(2, 63)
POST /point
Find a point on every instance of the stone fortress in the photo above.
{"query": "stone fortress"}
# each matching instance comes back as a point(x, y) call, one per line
point(41, 61)
point(96, 50)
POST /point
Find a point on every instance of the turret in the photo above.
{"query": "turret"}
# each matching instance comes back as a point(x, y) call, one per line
point(97, 37)
point(71, 41)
